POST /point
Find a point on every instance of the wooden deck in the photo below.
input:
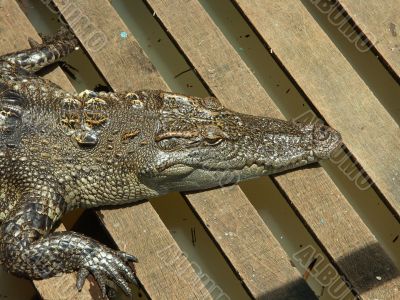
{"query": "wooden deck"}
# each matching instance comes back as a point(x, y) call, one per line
point(339, 234)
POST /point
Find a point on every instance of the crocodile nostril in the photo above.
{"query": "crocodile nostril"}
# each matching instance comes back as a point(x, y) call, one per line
point(322, 133)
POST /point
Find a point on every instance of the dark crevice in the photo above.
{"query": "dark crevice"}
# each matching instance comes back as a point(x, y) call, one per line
point(369, 64)
point(369, 44)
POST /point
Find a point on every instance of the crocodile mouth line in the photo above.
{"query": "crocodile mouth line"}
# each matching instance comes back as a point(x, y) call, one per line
point(259, 165)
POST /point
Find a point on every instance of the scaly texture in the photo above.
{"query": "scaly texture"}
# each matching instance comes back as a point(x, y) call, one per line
point(60, 151)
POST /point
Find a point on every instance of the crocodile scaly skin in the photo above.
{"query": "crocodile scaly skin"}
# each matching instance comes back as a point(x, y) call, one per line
point(61, 151)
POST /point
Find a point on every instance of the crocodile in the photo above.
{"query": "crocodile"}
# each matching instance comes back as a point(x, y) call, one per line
point(60, 151)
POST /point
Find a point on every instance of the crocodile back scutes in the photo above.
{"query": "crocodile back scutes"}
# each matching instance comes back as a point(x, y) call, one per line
point(83, 118)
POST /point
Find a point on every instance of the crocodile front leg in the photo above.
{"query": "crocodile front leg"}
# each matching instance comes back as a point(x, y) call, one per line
point(28, 249)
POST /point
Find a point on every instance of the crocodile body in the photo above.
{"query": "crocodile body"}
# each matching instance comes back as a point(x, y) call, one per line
point(62, 151)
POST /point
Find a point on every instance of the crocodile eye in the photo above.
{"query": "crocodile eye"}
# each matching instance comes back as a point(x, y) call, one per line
point(176, 144)
point(170, 144)
point(213, 135)
point(172, 140)
point(213, 141)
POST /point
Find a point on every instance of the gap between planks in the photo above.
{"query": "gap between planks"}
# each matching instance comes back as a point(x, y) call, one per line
point(16, 29)
point(345, 100)
point(312, 192)
point(163, 270)
point(349, 106)
point(380, 22)
point(180, 287)
point(135, 71)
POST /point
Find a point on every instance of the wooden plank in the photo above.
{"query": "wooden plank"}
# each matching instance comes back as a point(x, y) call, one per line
point(163, 270)
point(380, 22)
point(256, 264)
point(195, 28)
point(249, 245)
point(335, 89)
point(329, 81)
point(13, 38)
point(223, 70)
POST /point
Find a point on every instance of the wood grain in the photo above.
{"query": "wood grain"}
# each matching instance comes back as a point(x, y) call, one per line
point(380, 22)
point(163, 269)
point(15, 30)
point(249, 245)
point(348, 105)
point(252, 258)
point(334, 88)
point(230, 79)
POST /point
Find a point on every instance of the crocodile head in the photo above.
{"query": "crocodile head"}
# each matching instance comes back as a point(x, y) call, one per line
point(201, 144)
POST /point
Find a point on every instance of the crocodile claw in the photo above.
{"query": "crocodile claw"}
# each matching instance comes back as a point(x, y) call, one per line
point(103, 264)
point(33, 43)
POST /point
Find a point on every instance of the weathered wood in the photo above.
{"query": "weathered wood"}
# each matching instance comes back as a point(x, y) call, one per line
point(229, 78)
point(249, 245)
point(341, 232)
point(261, 260)
point(335, 89)
point(380, 22)
point(348, 105)
point(163, 270)
point(15, 30)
